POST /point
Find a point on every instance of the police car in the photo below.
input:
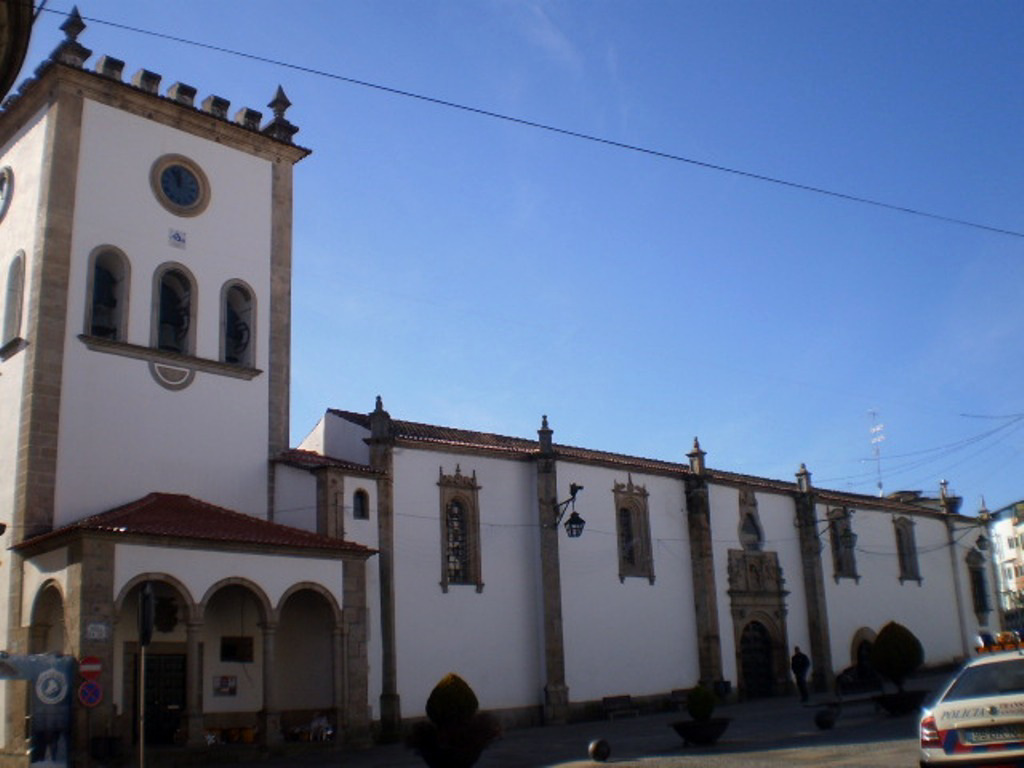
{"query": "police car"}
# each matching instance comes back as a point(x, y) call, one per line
point(978, 719)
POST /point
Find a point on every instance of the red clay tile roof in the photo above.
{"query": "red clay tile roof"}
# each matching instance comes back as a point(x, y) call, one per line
point(463, 438)
point(303, 459)
point(175, 516)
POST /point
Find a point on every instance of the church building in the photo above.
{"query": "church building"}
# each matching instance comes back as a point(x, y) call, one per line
point(145, 260)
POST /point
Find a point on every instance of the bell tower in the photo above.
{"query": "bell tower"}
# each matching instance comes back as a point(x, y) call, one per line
point(145, 249)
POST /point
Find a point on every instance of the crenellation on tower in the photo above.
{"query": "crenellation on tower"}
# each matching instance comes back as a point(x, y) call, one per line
point(110, 67)
point(71, 53)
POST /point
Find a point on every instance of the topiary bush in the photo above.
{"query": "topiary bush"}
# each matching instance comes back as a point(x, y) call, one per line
point(700, 703)
point(896, 653)
point(456, 734)
point(451, 701)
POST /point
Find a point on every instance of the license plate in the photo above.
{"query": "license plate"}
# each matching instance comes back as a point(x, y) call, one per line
point(994, 734)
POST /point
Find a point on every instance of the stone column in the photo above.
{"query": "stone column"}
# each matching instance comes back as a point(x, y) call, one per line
point(89, 617)
point(382, 458)
point(556, 692)
point(702, 565)
point(340, 683)
point(951, 506)
point(270, 716)
point(818, 632)
point(356, 661)
point(330, 502)
point(194, 731)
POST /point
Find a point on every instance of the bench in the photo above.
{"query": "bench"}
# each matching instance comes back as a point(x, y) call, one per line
point(619, 706)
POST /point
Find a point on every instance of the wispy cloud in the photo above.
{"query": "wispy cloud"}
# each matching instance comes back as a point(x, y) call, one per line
point(545, 34)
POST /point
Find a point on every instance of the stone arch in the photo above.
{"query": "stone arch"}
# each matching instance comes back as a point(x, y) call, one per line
point(313, 587)
point(761, 655)
point(191, 609)
point(267, 611)
point(48, 620)
point(308, 644)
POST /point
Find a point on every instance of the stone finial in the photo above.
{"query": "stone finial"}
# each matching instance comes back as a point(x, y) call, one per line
point(380, 421)
point(146, 81)
point(216, 106)
point(73, 26)
point(70, 51)
point(183, 94)
point(110, 67)
point(803, 479)
point(248, 118)
point(279, 128)
point(544, 435)
point(696, 457)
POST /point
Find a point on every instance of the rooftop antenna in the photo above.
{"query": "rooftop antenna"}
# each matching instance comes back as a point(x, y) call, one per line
point(877, 438)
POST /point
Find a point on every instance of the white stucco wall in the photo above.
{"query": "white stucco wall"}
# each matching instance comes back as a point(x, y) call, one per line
point(489, 638)
point(204, 568)
point(23, 153)
point(208, 440)
point(928, 609)
point(294, 497)
point(340, 438)
point(626, 636)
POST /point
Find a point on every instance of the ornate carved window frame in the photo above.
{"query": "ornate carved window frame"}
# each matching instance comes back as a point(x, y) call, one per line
point(464, 491)
point(633, 531)
point(844, 557)
point(906, 550)
point(749, 531)
point(977, 581)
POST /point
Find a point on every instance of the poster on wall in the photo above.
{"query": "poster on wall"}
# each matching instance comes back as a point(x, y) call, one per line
point(225, 685)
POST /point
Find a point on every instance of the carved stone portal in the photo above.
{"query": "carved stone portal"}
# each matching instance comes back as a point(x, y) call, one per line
point(758, 601)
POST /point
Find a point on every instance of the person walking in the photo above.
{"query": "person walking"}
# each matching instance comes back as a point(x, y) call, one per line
point(801, 665)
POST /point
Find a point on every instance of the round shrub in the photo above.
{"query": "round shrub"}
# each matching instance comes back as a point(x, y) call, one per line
point(896, 653)
point(452, 701)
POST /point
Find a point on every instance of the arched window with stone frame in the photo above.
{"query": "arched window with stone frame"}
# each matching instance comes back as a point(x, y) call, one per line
point(906, 549)
point(843, 542)
point(633, 531)
point(107, 294)
point(174, 310)
point(460, 530)
point(13, 300)
point(237, 324)
point(360, 505)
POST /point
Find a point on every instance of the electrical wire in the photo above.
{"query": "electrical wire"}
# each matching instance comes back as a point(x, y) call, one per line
point(663, 155)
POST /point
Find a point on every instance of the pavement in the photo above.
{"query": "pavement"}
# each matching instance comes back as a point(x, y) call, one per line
point(776, 731)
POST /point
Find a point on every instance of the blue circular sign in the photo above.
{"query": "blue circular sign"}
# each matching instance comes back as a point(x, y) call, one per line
point(90, 693)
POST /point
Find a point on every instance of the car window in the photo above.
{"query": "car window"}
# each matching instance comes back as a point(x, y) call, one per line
point(988, 680)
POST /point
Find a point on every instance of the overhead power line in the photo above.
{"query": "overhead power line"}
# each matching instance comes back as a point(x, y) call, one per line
point(562, 131)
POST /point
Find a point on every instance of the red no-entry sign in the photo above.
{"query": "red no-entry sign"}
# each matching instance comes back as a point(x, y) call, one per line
point(90, 667)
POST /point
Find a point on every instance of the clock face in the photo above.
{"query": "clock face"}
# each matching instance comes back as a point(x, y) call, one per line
point(180, 185)
point(6, 189)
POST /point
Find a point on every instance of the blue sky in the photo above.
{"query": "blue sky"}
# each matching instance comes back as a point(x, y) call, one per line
point(477, 273)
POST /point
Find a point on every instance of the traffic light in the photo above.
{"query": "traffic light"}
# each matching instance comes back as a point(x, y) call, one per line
point(146, 613)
